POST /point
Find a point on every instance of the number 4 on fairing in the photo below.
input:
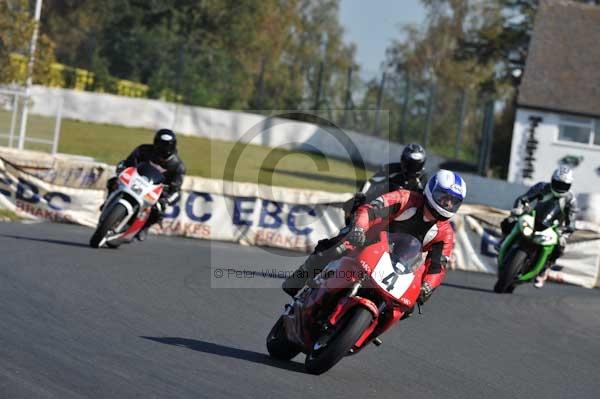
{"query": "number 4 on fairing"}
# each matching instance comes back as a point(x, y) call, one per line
point(390, 284)
point(394, 279)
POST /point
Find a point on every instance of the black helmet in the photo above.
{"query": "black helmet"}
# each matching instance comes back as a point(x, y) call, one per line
point(165, 143)
point(413, 159)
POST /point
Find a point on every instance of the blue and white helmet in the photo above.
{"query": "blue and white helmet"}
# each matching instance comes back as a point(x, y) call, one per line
point(445, 193)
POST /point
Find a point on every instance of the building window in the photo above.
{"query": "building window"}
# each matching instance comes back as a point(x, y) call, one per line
point(576, 134)
point(578, 130)
point(597, 133)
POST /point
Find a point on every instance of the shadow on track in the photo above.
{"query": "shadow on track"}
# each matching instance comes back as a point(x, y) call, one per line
point(466, 287)
point(227, 351)
point(59, 242)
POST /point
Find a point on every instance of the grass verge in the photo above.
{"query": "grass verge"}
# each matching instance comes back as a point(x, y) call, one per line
point(209, 158)
point(5, 214)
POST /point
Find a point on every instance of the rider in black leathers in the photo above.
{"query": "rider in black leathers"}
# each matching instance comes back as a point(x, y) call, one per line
point(556, 190)
point(409, 174)
point(162, 153)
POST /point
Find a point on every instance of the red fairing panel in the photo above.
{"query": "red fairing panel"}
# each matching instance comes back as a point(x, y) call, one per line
point(347, 303)
point(399, 201)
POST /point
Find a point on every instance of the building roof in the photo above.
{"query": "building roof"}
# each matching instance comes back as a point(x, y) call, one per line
point(563, 66)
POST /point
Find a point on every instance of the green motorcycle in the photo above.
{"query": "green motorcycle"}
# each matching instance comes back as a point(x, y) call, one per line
point(525, 250)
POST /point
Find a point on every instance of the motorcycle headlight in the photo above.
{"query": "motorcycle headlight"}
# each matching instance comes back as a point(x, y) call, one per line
point(527, 230)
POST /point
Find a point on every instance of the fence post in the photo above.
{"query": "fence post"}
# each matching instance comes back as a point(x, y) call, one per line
point(319, 85)
point(13, 120)
point(430, 105)
point(407, 89)
point(461, 123)
point(23, 126)
point(30, 65)
point(378, 106)
point(260, 84)
point(57, 126)
point(485, 149)
point(348, 100)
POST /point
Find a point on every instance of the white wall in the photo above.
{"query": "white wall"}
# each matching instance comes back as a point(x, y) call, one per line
point(241, 126)
point(212, 123)
point(549, 152)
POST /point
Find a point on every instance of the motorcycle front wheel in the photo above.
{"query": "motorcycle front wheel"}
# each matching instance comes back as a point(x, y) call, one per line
point(510, 272)
point(278, 345)
point(112, 219)
point(327, 352)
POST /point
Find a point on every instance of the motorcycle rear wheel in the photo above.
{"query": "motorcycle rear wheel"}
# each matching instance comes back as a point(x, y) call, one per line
point(510, 271)
point(348, 331)
point(114, 217)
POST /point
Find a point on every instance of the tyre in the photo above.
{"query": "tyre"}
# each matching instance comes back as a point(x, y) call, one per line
point(347, 332)
point(114, 217)
point(278, 345)
point(510, 271)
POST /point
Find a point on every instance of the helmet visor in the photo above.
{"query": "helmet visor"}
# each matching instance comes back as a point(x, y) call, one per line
point(413, 167)
point(448, 201)
point(560, 186)
point(163, 150)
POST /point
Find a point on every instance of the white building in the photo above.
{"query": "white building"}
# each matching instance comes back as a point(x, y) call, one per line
point(559, 98)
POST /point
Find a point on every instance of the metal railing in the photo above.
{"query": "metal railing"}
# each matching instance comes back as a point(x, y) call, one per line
point(12, 102)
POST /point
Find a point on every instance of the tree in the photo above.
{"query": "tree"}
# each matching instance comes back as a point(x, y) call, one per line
point(424, 59)
point(16, 28)
point(220, 53)
point(501, 39)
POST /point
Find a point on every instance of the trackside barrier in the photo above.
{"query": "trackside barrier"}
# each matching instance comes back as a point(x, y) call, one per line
point(40, 186)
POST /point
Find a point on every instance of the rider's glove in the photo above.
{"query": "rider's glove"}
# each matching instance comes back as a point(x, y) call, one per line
point(426, 292)
point(518, 211)
point(112, 184)
point(356, 236)
point(161, 205)
point(120, 167)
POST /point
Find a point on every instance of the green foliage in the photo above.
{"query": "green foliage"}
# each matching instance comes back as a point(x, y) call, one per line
point(425, 74)
point(217, 53)
point(208, 158)
point(501, 39)
point(16, 29)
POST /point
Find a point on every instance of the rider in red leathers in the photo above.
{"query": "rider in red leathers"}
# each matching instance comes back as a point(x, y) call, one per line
point(424, 216)
point(404, 211)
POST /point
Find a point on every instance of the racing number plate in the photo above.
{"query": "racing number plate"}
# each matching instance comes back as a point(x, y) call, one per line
point(396, 282)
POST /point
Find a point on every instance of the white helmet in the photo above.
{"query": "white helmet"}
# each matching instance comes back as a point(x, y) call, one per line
point(562, 178)
point(445, 192)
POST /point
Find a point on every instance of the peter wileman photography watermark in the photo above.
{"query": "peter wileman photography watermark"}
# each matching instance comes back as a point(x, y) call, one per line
point(284, 183)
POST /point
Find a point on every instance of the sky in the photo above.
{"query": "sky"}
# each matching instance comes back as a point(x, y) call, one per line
point(372, 24)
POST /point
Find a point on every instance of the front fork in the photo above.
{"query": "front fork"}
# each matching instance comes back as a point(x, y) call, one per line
point(351, 301)
point(541, 259)
point(539, 265)
point(506, 244)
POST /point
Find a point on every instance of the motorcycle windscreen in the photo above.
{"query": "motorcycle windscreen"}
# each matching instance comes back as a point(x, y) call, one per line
point(546, 213)
point(394, 271)
point(405, 251)
point(151, 173)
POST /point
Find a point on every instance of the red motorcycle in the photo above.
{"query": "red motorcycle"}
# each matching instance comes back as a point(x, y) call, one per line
point(350, 303)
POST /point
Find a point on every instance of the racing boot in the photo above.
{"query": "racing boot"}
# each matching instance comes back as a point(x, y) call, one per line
point(142, 234)
point(541, 278)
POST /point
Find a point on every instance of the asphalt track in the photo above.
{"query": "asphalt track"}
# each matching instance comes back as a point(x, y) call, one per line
point(146, 321)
